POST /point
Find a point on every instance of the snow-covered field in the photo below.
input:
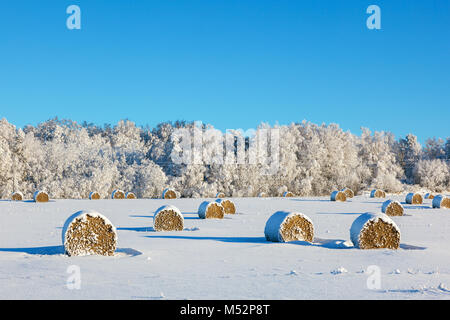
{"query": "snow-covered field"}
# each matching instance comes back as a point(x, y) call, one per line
point(223, 259)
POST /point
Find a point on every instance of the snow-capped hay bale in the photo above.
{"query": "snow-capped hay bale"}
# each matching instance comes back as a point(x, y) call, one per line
point(375, 231)
point(288, 194)
point(338, 196)
point(40, 196)
point(227, 205)
point(89, 233)
point(130, 195)
point(94, 196)
point(169, 193)
point(414, 198)
point(285, 226)
point(262, 195)
point(17, 196)
point(211, 210)
point(392, 208)
point(168, 218)
point(220, 195)
point(429, 196)
point(348, 192)
point(118, 194)
point(377, 193)
point(441, 201)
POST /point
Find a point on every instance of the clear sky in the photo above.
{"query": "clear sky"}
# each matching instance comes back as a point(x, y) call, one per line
point(231, 63)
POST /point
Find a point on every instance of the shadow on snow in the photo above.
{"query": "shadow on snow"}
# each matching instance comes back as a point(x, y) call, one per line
point(59, 250)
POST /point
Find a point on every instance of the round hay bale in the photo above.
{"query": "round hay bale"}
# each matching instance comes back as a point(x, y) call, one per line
point(227, 205)
point(285, 226)
point(211, 210)
point(414, 198)
point(262, 195)
point(338, 196)
point(392, 208)
point(40, 196)
point(429, 196)
point(89, 233)
point(94, 196)
point(288, 194)
point(375, 231)
point(118, 194)
point(348, 192)
point(377, 193)
point(169, 193)
point(130, 195)
point(441, 201)
point(17, 196)
point(220, 195)
point(168, 218)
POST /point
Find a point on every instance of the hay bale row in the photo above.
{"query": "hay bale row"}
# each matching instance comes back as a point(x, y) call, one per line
point(429, 196)
point(17, 196)
point(392, 208)
point(377, 193)
point(338, 196)
point(211, 210)
point(288, 194)
point(89, 233)
point(168, 218)
point(38, 196)
point(375, 231)
point(368, 231)
point(441, 201)
point(220, 195)
point(285, 226)
point(414, 198)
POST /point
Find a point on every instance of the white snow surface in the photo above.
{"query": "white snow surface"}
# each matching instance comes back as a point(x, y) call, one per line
point(223, 258)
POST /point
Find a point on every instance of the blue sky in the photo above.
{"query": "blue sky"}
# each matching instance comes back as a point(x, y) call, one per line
point(231, 63)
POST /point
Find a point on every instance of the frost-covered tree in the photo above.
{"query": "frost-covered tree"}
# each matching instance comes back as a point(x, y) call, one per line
point(447, 149)
point(432, 174)
point(434, 149)
point(409, 151)
point(70, 160)
point(378, 158)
